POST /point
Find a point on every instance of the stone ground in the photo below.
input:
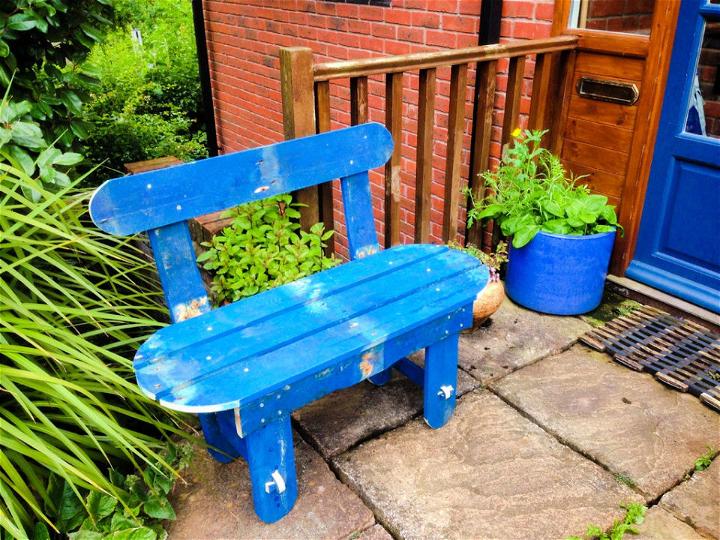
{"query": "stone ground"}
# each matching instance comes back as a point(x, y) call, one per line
point(547, 438)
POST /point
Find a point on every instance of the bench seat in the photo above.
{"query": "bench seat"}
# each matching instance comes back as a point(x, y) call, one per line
point(341, 326)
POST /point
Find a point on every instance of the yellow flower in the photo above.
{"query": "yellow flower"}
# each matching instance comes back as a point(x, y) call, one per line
point(516, 132)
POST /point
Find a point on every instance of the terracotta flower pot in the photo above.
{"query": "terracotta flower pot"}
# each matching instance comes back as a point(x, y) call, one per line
point(488, 301)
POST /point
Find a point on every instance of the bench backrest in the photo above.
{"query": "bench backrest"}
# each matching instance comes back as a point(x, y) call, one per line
point(161, 201)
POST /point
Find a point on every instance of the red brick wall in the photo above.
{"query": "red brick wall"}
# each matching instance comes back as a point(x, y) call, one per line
point(708, 76)
point(620, 15)
point(243, 41)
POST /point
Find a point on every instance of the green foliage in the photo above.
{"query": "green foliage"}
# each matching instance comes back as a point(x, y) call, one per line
point(263, 248)
point(76, 303)
point(492, 260)
point(43, 44)
point(531, 192)
point(634, 515)
point(704, 461)
point(148, 104)
point(93, 515)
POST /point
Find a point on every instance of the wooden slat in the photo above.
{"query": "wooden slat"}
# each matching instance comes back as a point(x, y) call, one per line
point(426, 115)
point(358, 100)
point(322, 122)
point(456, 121)
point(416, 61)
point(148, 200)
point(561, 89)
point(512, 97)
point(540, 105)
point(393, 122)
point(480, 158)
point(296, 88)
point(384, 301)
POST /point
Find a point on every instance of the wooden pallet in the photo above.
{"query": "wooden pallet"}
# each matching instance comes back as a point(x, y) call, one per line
point(680, 353)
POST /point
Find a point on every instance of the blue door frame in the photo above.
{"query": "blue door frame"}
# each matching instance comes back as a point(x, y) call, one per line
point(678, 247)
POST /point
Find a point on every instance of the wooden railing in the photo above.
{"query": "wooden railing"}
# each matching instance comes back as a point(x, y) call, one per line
point(306, 109)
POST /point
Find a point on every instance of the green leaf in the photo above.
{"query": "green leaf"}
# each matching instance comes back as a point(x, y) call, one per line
point(84, 534)
point(159, 507)
point(4, 49)
point(72, 101)
point(523, 235)
point(136, 533)
point(71, 512)
point(68, 158)
point(27, 134)
point(23, 159)
point(100, 505)
point(40, 532)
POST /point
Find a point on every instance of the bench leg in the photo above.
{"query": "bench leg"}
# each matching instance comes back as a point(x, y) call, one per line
point(271, 460)
point(440, 384)
point(223, 450)
point(382, 378)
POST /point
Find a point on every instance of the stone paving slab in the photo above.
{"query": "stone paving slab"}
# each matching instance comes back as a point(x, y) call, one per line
point(697, 501)
point(625, 420)
point(514, 338)
point(342, 419)
point(216, 503)
point(660, 524)
point(490, 473)
point(376, 532)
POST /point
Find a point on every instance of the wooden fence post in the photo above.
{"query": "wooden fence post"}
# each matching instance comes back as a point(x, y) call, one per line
point(298, 103)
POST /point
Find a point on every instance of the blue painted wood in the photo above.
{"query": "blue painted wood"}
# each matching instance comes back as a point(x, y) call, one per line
point(182, 285)
point(186, 298)
point(153, 199)
point(271, 463)
point(349, 370)
point(440, 385)
point(411, 370)
point(222, 360)
point(677, 249)
point(221, 447)
point(362, 238)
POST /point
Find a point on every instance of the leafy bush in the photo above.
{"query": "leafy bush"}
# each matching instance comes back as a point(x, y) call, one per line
point(96, 515)
point(43, 44)
point(531, 192)
point(75, 304)
point(634, 515)
point(148, 104)
point(263, 248)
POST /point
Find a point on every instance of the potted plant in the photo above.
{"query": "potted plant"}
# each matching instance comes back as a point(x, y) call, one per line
point(491, 297)
point(562, 234)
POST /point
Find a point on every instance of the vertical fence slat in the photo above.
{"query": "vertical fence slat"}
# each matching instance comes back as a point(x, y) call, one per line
point(296, 84)
point(322, 121)
point(393, 122)
point(561, 85)
point(358, 100)
point(480, 157)
point(512, 97)
point(539, 106)
point(456, 128)
point(423, 168)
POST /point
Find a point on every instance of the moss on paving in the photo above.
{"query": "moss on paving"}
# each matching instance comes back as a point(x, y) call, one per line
point(613, 305)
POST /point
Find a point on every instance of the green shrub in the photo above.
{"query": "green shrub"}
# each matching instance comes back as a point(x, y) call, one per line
point(74, 305)
point(148, 104)
point(531, 192)
point(263, 248)
point(43, 45)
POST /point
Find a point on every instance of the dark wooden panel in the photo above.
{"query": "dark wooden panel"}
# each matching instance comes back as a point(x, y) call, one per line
point(456, 124)
point(358, 100)
point(540, 106)
point(601, 182)
point(325, 191)
point(610, 66)
point(512, 97)
point(393, 122)
point(604, 136)
point(602, 112)
point(600, 159)
point(426, 114)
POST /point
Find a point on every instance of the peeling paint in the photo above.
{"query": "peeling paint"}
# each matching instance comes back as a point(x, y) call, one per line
point(368, 363)
point(188, 310)
point(366, 251)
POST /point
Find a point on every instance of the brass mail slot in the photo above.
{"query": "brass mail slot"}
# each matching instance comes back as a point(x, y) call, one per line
point(612, 91)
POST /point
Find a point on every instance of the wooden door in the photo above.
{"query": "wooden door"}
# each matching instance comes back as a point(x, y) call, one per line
point(608, 122)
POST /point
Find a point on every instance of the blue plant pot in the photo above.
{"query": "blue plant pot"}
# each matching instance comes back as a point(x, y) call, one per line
point(560, 274)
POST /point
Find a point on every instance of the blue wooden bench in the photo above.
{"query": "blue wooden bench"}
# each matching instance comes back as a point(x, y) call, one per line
point(243, 368)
